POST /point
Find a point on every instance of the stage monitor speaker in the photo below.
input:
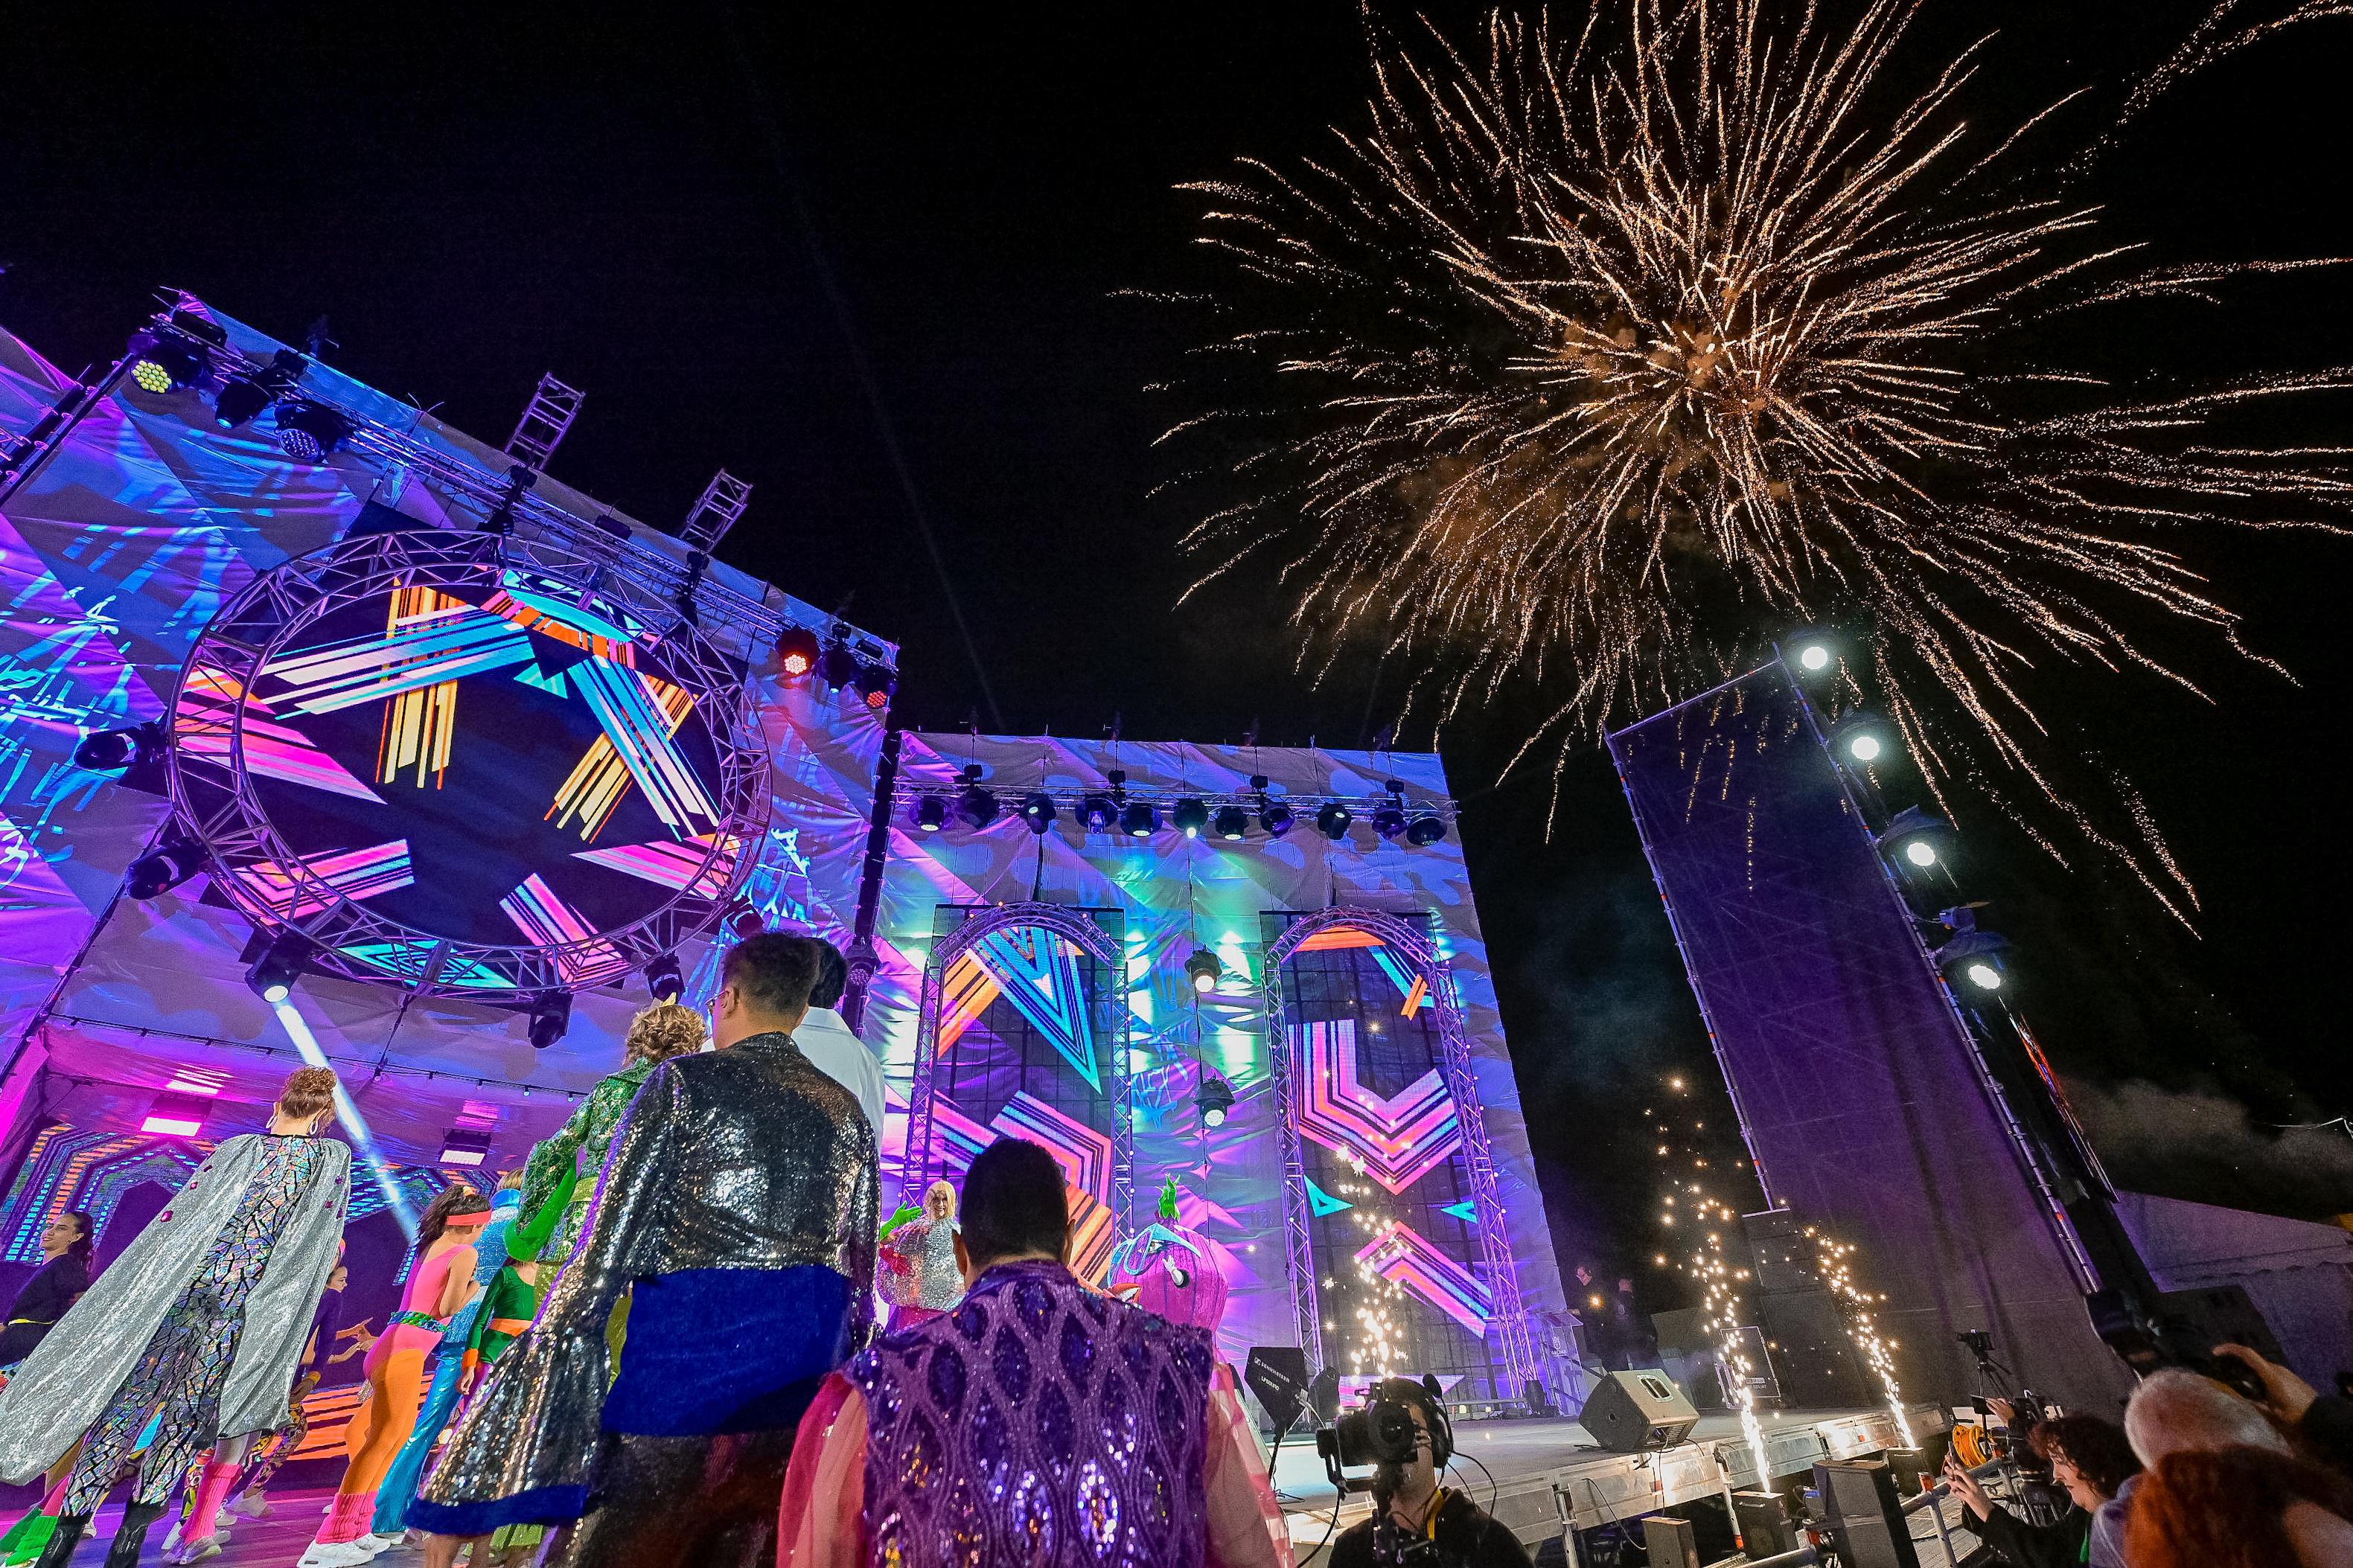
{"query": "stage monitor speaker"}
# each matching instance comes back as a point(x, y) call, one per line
point(1860, 1504)
point(1765, 1528)
point(1671, 1542)
point(1629, 1412)
point(1278, 1376)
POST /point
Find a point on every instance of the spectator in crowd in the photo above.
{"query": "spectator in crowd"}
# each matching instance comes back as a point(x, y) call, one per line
point(2089, 1458)
point(827, 1041)
point(2322, 1422)
point(2225, 1487)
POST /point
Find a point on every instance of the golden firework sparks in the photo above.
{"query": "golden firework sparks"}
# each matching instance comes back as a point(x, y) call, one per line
point(1597, 357)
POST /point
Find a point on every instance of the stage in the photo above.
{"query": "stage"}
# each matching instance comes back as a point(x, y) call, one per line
point(1533, 1469)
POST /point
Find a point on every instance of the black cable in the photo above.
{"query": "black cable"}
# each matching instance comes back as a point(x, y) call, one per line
point(1491, 1483)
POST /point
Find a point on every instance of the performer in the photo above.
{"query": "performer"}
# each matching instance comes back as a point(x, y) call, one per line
point(197, 1324)
point(1039, 1422)
point(656, 1035)
point(63, 1276)
point(920, 1276)
point(738, 1207)
point(1172, 1270)
point(440, 1282)
point(319, 1356)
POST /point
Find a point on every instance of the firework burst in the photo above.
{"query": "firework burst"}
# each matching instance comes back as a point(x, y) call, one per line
point(1599, 357)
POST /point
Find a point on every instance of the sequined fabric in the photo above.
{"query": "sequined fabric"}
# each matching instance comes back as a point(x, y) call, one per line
point(590, 1128)
point(920, 1269)
point(1037, 1424)
point(746, 1158)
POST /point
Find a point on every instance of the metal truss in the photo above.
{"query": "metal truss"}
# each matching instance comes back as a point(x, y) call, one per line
point(1510, 1321)
point(213, 795)
point(916, 1165)
point(1067, 798)
point(545, 419)
point(719, 509)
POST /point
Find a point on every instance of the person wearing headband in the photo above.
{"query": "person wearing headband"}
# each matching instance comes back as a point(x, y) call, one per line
point(196, 1327)
point(440, 1283)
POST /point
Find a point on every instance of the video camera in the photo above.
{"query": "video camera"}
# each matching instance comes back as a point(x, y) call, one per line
point(2172, 1333)
point(1381, 1433)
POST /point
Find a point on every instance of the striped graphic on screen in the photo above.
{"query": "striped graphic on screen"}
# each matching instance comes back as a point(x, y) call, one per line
point(1409, 1260)
point(352, 874)
point(639, 714)
point(208, 708)
point(1400, 1137)
point(546, 921)
point(678, 865)
point(418, 725)
point(446, 645)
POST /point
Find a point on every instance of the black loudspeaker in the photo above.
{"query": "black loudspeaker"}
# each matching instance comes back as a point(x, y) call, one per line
point(1766, 1530)
point(1630, 1411)
point(1860, 1504)
point(1670, 1543)
point(1278, 1376)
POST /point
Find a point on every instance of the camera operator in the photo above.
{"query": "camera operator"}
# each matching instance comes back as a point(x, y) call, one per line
point(1416, 1521)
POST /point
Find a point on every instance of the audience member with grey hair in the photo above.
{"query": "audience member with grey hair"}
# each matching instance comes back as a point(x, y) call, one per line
point(2174, 1410)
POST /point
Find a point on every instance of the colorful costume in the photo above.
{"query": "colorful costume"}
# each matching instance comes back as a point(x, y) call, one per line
point(920, 1277)
point(1170, 1270)
point(197, 1326)
point(738, 1209)
point(590, 1128)
point(1039, 1424)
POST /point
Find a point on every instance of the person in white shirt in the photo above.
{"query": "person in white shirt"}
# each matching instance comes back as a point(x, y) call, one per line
point(827, 1043)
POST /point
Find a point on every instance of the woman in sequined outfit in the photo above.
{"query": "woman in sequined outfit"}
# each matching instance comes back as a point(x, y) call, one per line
point(920, 1274)
point(195, 1327)
point(660, 1032)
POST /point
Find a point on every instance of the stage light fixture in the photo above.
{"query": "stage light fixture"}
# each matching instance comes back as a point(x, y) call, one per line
point(1276, 818)
point(163, 867)
point(240, 401)
point(1333, 820)
point(1139, 820)
point(931, 814)
point(1425, 830)
point(665, 979)
point(797, 652)
point(271, 976)
point(1232, 823)
point(1098, 812)
point(1204, 970)
point(1814, 657)
point(1970, 957)
point(1191, 816)
point(878, 681)
point(1915, 840)
point(1983, 976)
point(1921, 853)
point(1861, 739)
point(1388, 817)
point(467, 1146)
point(976, 804)
point(1038, 811)
point(1216, 1097)
point(1862, 747)
point(746, 922)
point(161, 363)
point(114, 751)
point(551, 1016)
point(307, 431)
point(836, 665)
point(175, 1116)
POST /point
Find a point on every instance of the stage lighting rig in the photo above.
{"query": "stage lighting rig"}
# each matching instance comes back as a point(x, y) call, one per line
point(1037, 812)
point(307, 431)
point(163, 867)
point(1098, 811)
point(271, 975)
point(1216, 1098)
point(1915, 842)
point(1139, 820)
point(1425, 830)
point(797, 652)
point(1811, 651)
point(116, 750)
point(1204, 970)
point(164, 363)
point(663, 978)
point(746, 921)
point(244, 397)
point(877, 682)
point(931, 814)
point(1971, 960)
point(1232, 823)
point(1191, 816)
point(836, 665)
point(551, 1016)
point(1861, 740)
point(1333, 820)
point(1272, 814)
point(976, 803)
point(1388, 817)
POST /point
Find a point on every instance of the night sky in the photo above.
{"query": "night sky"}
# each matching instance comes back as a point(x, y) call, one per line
point(876, 263)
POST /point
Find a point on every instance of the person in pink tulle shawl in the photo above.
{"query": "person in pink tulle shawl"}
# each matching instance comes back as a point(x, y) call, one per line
point(1037, 1422)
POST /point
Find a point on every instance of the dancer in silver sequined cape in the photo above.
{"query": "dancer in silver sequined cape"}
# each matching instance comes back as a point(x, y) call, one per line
point(738, 1209)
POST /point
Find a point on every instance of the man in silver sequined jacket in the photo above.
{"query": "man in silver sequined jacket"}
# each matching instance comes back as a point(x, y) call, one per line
point(738, 1210)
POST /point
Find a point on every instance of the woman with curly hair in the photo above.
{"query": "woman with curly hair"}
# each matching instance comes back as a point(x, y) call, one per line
point(662, 1031)
point(2242, 1507)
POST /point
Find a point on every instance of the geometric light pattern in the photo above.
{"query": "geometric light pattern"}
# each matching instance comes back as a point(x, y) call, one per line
point(1400, 1138)
point(1038, 972)
point(272, 750)
point(354, 874)
point(1407, 1259)
point(684, 864)
point(548, 922)
point(1084, 1154)
point(640, 714)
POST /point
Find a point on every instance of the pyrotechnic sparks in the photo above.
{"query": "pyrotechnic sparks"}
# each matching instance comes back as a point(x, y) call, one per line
point(1595, 360)
point(1834, 1266)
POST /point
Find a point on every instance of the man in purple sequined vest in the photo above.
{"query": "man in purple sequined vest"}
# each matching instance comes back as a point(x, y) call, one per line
point(1038, 1422)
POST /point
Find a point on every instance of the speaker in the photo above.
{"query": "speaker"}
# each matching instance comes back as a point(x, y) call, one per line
point(1765, 1528)
point(1670, 1542)
point(1860, 1504)
point(1278, 1376)
point(1630, 1411)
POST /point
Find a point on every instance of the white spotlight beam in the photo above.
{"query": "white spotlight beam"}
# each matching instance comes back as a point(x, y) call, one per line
point(307, 1045)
